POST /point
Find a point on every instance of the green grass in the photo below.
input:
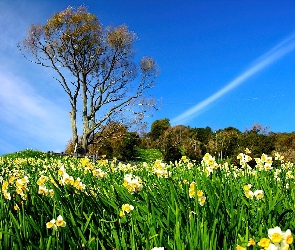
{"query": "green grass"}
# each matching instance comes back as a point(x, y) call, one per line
point(167, 211)
point(148, 155)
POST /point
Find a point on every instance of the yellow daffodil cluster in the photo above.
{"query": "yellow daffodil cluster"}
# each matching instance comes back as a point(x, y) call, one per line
point(160, 169)
point(20, 187)
point(279, 157)
point(125, 167)
point(132, 183)
point(42, 186)
point(193, 191)
point(209, 164)
point(250, 194)
point(277, 239)
point(264, 162)
point(98, 173)
point(54, 224)
point(69, 180)
point(184, 162)
point(244, 159)
point(126, 208)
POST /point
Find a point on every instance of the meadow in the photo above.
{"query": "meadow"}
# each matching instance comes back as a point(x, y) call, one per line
point(54, 202)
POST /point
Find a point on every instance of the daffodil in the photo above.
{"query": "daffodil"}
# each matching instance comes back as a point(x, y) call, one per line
point(247, 151)
point(60, 221)
point(200, 193)
point(251, 242)
point(275, 234)
point(240, 248)
point(192, 190)
point(51, 224)
point(287, 237)
point(264, 243)
point(127, 208)
point(258, 194)
point(249, 194)
point(202, 200)
point(247, 187)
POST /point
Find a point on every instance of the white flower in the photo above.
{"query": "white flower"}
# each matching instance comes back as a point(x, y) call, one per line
point(275, 235)
point(258, 194)
point(287, 237)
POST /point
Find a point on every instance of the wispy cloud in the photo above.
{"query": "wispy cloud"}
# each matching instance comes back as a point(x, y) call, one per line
point(31, 116)
point(30, 119)
point(278, 51)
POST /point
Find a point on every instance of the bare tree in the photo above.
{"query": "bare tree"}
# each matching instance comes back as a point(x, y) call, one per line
point(95, 65)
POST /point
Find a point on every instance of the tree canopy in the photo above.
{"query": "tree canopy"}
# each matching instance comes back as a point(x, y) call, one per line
point(94, 65)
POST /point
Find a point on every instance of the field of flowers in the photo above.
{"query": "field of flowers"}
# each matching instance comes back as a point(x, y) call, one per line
point(52, 202)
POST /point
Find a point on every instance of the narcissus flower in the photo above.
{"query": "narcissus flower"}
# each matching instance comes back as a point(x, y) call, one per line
point(60, 221)
point(249, 194)
point(200, 193)
point(258, 194)
point(251, 242)
point(287, 237)
point(264, 243)
point(126, 208)
point(247, 151)
point(51, 224)
point(202, 200)
point(275, 234)
point(240, 248)
point(247, 187)
point(192, 191)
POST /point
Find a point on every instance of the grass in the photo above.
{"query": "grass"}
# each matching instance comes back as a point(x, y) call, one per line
point(110, 205)
point(148, 155)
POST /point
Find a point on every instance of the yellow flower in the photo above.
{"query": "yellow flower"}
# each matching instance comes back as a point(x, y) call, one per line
point(240, 248)
point(247, 151)
point(85, 162)
point(5, 186)
point(275, 234)
point(264, 242)
point(192, 190)
point(122, 213)
point(249, 194)
point(247, 187)
point(287, 237)
point(7, 195)
point(51, 224)
point(41, 180)
point(251, 242)
point(200, 193)
point(60, 221)
point(16, 207)
point(258, 194)
point(127, 208)
point(202, 200)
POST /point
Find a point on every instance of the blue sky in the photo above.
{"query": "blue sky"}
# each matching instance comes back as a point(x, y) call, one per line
point(223, 63)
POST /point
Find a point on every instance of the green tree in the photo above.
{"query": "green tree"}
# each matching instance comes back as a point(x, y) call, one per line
point(158, 128)
point(258, 140)
point(94, 64)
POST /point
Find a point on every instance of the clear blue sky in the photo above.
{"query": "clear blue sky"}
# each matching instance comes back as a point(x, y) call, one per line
point(223, 63)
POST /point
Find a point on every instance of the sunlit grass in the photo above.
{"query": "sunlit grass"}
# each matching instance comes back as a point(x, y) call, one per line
point(52, 202)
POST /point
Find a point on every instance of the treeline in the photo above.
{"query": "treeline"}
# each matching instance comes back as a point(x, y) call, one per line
point(175, 141)
point(224, 143)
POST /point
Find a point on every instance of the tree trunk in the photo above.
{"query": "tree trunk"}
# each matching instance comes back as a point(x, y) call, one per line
point(74, 125)
point(84, 143)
